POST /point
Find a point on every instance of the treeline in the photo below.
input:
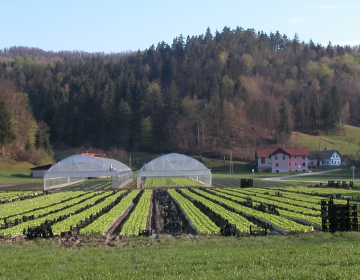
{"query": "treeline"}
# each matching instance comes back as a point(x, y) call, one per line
point(210, 93)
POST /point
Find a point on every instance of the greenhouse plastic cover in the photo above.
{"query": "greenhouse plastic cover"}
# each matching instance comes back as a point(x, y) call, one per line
point(86, 166)
point(173, 165)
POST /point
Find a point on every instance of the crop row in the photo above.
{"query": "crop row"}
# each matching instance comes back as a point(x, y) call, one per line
point(199, 220)
point(281, 202)
point(276, 221)
point(13, 195)
point(100, 225)
point(40, 212)
point(171, 182)
point(93, 184)
point(304, 199)
point(25, 206)
point(289, 211)
point(321, 192)
point(18, 229)
point(241, 223)
point(138, 218)
point(73, 220)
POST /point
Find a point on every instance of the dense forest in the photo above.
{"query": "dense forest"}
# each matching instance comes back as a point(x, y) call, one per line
point(234, 90)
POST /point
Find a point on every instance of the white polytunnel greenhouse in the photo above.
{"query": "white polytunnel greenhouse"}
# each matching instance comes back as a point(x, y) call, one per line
point(79, 168)
point(174, 166)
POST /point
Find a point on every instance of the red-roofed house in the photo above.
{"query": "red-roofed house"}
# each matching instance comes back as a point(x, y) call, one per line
point(282, 159)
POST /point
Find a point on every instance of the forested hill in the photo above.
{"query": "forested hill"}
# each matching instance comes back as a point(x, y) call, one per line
point(233, 90)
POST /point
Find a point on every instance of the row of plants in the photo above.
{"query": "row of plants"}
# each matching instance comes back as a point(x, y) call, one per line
point(277, 221)
point(73, 220)
point(242, 224)
point(29, 205)
point(171, 182)
point(323, 192)
point(101, 224)
point(199, 220)
point(13, 195)
point(281, 202)
point(92, 184)
point(56, 206)
point(138, 218)
point(288, 212)
point(301, 198)
point(18, 229)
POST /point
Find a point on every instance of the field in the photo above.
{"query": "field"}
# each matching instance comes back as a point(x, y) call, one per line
point(306, 256)
point(346, 141)
point(186, 246)
point(199, 211)
point(96, 230)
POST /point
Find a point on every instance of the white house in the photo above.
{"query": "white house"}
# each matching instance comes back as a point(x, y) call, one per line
point(325, 158)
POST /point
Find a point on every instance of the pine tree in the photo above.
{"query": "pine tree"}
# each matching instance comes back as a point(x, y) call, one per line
point(6, 133)
point(284, 124)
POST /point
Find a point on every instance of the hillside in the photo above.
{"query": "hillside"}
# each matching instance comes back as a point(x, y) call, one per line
point(346, 141)
point(233, 90)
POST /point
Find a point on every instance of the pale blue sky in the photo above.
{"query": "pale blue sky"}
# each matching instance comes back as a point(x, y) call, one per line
point(119, 26)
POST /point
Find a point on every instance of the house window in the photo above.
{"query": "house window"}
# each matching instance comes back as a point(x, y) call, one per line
point(277, 165)
point(283, 157)
point(303, 157)
point(289, 163)
point(275, 157)
point(277, 171)
point(262, 160)
point(295, 156)
point(295, 164)
point(303, 163)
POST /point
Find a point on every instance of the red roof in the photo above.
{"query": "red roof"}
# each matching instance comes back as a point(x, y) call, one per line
point(94, 155)
point(266, 152)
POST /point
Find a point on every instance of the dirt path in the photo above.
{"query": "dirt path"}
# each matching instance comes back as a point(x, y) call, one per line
point(281, 178)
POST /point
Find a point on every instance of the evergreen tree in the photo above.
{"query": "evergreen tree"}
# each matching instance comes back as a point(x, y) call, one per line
point(6, 133)
point(284, 124)
point(146, 133)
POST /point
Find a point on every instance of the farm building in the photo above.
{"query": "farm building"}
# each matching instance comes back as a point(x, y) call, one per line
point(78, 168)
point(174, 166)
point(325, 158)
point(282, 159)
point(39, 171)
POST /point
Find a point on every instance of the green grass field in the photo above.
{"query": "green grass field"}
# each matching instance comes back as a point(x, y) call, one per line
point(16, 173)
point(346, 141)
point(304, 256)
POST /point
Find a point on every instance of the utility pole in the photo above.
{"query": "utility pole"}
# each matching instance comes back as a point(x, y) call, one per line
point(130, 161)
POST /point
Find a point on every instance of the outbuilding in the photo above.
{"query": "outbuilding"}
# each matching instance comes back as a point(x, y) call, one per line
point(39, 171)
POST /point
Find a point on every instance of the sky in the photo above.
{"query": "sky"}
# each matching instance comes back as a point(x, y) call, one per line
point(121, 26)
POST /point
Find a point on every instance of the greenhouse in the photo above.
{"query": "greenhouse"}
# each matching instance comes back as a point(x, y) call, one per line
point(173, 166)
point(79, 168)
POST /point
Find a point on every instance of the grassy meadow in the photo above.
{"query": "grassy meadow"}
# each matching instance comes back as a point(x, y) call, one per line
point(12, 172)
point(345, 141)
point(304, 256)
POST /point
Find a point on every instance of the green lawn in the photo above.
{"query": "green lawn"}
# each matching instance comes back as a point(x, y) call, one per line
point(305, 256)
point(16, 173)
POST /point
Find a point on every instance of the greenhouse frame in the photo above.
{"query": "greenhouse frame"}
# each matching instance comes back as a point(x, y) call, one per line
point(174, 166)
point(79, 168)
